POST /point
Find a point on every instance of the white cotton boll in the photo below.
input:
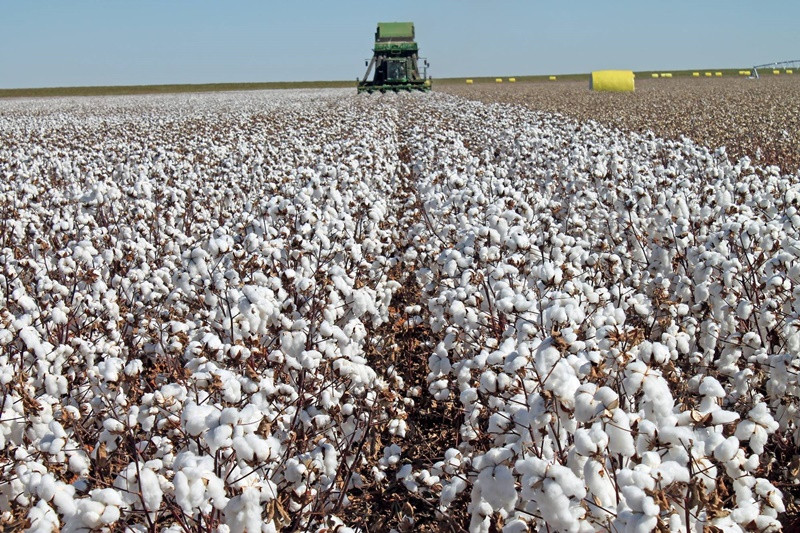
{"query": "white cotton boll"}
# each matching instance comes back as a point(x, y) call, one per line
point(362, 303)
point(620, 437)
point(90, 513)
point(55, 385)
point(672, 472)
point(773, 496)
point(79, 463)
point(555, 507)
point(458, 311)
point(639, 502)
point(397, 427)
point(42, 518)
point(726, 450)
point(722, 417)
point(744, 309)
point(586, 406)
point(64, 500)
point(404, 472)
point(243, 512)
point(242, 448)
point(495, 485)
point(184, 491)
point(711, 387)
point(568, 482)
point(584, 443)
point(607, 397)
point(660, 353)
point(133, 367)
point(438, 362)
point(488, 382)
point(310, 359)
point(451, 490)
point(516, 525)
point(197, 418)
point(219, 437)
point(515, 362)
point(600, 487)
point(439, 389)
point(58, 316)
point(756, 428)
point(745, 512)
point(212, 342)
point(46, 488)
point(113, 426)
point(110, 368)
point(657, 400)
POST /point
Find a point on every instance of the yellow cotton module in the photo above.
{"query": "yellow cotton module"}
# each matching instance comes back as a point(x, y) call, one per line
point(612, 80)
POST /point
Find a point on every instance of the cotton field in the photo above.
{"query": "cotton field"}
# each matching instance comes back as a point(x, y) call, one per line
point(316, 311)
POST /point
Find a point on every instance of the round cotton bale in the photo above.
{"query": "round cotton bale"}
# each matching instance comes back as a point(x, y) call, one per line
point(552, 78)
point(708, 74)
point(789, 71)
point(512, 80)
point(654, 75)
point(776, 71)
point(666, 75)
point(498, 80)
point(469, 82)
point(695, 74)
point(612, 80)
point(718, 74)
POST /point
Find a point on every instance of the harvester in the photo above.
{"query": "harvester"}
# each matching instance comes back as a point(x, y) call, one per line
point(395, 60)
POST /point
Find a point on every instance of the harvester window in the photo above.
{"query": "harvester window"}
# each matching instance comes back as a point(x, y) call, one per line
point(397, 70)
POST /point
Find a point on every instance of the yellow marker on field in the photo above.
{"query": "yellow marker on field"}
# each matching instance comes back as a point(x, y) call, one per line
point(695, 74)
point(654, 75)
point(552, 78)
point(469, 82)
point(498, 80)
point(512, 80)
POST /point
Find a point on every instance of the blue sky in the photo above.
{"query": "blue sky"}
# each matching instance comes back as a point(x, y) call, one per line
point(109, 42)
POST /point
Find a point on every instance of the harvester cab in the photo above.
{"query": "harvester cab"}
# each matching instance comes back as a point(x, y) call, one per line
point(395, 60)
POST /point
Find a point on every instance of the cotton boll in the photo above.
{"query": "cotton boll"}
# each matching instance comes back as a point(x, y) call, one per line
point(711, 387)
point(495, 486)
point(657, 400)
point(744, 309)
point(600, 487)
point(756, 428)
point(43, 519)
point(458, 311)
point(726, 450)
point(197, 418)
point(488, 382)
point(620, 438)
point(450, 491)
point(243, 512)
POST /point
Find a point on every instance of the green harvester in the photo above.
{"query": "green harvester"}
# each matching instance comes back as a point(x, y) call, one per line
point(395, 60)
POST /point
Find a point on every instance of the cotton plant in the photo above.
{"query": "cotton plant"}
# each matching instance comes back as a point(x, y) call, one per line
point(196, 290)
point(641, 285)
